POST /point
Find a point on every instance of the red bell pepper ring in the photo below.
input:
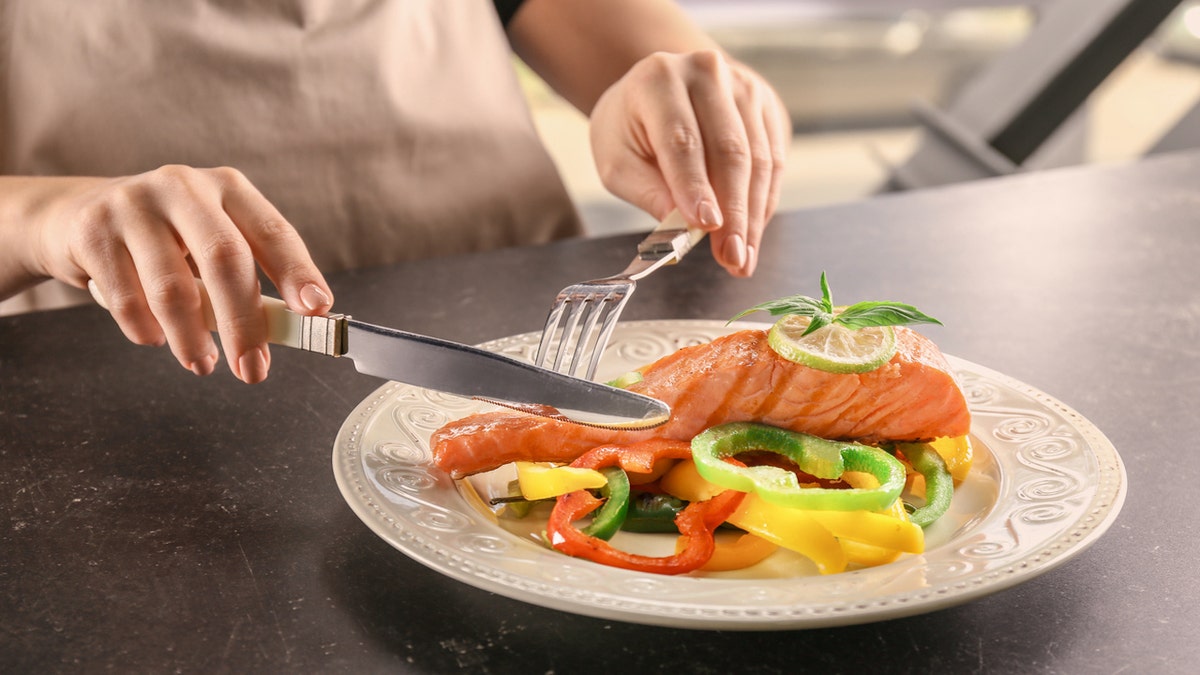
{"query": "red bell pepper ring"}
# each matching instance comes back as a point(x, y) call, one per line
point(696, 522)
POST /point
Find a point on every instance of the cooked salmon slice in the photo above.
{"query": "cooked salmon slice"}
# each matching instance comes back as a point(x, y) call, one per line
point(736, 378)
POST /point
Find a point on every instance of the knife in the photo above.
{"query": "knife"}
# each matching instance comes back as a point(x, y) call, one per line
point(451, 367)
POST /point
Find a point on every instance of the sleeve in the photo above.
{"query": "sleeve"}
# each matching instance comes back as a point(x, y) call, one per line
point(506, 9)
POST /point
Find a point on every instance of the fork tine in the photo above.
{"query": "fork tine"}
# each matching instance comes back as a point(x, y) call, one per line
point(615, 308)
point(579, 308)
point(548, 332)
point(598, 305)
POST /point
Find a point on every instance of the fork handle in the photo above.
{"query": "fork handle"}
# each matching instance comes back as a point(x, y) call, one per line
point(322, 334)
point(673, 237)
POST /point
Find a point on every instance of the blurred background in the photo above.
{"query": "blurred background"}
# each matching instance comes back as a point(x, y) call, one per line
point(851, 71)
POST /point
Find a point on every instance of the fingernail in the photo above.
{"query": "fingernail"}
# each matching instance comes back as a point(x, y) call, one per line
point(751, 260)
point(204, 365)
point(735, 252)
point(708, 214)
point(313, 297)
point(252, 366)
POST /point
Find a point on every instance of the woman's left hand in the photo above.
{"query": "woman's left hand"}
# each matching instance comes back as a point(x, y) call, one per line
point(701, 133)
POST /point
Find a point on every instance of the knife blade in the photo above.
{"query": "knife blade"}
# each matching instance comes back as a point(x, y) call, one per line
point(452, 368)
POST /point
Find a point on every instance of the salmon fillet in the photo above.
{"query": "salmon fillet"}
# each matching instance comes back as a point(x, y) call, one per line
point(736, 378)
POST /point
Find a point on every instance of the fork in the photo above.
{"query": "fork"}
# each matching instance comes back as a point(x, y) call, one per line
point(584, 314)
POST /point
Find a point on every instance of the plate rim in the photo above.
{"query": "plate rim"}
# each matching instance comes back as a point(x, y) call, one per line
point(1083, 532)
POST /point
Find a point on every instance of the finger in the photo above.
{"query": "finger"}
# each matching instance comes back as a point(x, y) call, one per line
point(100, 255)
point(226, 264)
point(171, 294)
point(761, 173)
point(117, 283)
point(677, 146)
point(778, 124)
point(727, 155)
point(276, 246)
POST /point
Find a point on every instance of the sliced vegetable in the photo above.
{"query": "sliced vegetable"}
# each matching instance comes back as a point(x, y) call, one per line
point(868, 527)
point(794, 529)
point(543, 481)
point(958, 453)
point(611, 515)
point(625, 380)
point(661, 467)
point(696, 522)
point(813, 455)
point(515, 503)
point(653, 512)
point(737, 552)
point(867, 555)
point(939, 484)
point(684, 481)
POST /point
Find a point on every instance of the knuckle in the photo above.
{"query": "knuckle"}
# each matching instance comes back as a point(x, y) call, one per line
point(172, 174)
point(90, 237)
point(241, 325)
point(682, 139)
point(732, 149)
point(172, 290)
point(122, 304)
point(762, 159)
point(778, 156)
point(294, 270)
point(90, 223)
point(276, 229)
point(709, 61)
point(228, 176)
point(657, 64)
point(225, 249)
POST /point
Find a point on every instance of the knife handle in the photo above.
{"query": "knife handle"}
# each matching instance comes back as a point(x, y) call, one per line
point(321, 334)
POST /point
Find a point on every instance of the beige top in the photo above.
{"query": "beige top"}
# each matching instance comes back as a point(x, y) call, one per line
point(384, 130)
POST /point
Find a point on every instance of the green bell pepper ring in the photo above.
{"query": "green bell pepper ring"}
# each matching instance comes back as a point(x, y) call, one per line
point(611, 515)
point(816, 456)
point(653, 512)
point(939, 484)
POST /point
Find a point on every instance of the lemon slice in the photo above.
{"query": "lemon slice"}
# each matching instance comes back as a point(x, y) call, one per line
point(833, 348)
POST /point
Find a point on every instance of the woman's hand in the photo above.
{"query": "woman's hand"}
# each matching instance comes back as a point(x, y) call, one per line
point(701, 133)
point(144, 239)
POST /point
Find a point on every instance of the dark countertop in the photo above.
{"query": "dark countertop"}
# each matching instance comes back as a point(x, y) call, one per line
point(156, 521)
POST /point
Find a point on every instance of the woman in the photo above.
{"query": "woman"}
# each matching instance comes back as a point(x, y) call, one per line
point(346, 133)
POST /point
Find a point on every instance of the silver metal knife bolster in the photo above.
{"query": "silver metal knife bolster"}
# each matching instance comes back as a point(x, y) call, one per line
point(324, 334)
point(321, 334)
point(673, 237)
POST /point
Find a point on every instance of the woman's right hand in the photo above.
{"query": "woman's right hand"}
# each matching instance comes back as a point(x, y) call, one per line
point(144, 239)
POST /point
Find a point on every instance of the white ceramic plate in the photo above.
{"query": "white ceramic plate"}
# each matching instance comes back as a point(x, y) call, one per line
point(1046, 484)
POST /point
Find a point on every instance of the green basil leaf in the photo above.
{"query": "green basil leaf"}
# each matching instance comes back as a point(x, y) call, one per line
point(826, 295)
point(801, 305)
point(819, 321)
point(864, 314)
point(858, 315)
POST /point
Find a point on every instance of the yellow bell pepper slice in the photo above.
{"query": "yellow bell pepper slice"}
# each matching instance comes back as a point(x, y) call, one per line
point(829, 538)
point(779, 525)
point(958, 455)
point(543, 481)
point(793, 529)
point(868, 555)
point(684, 481)
point(876, 529)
